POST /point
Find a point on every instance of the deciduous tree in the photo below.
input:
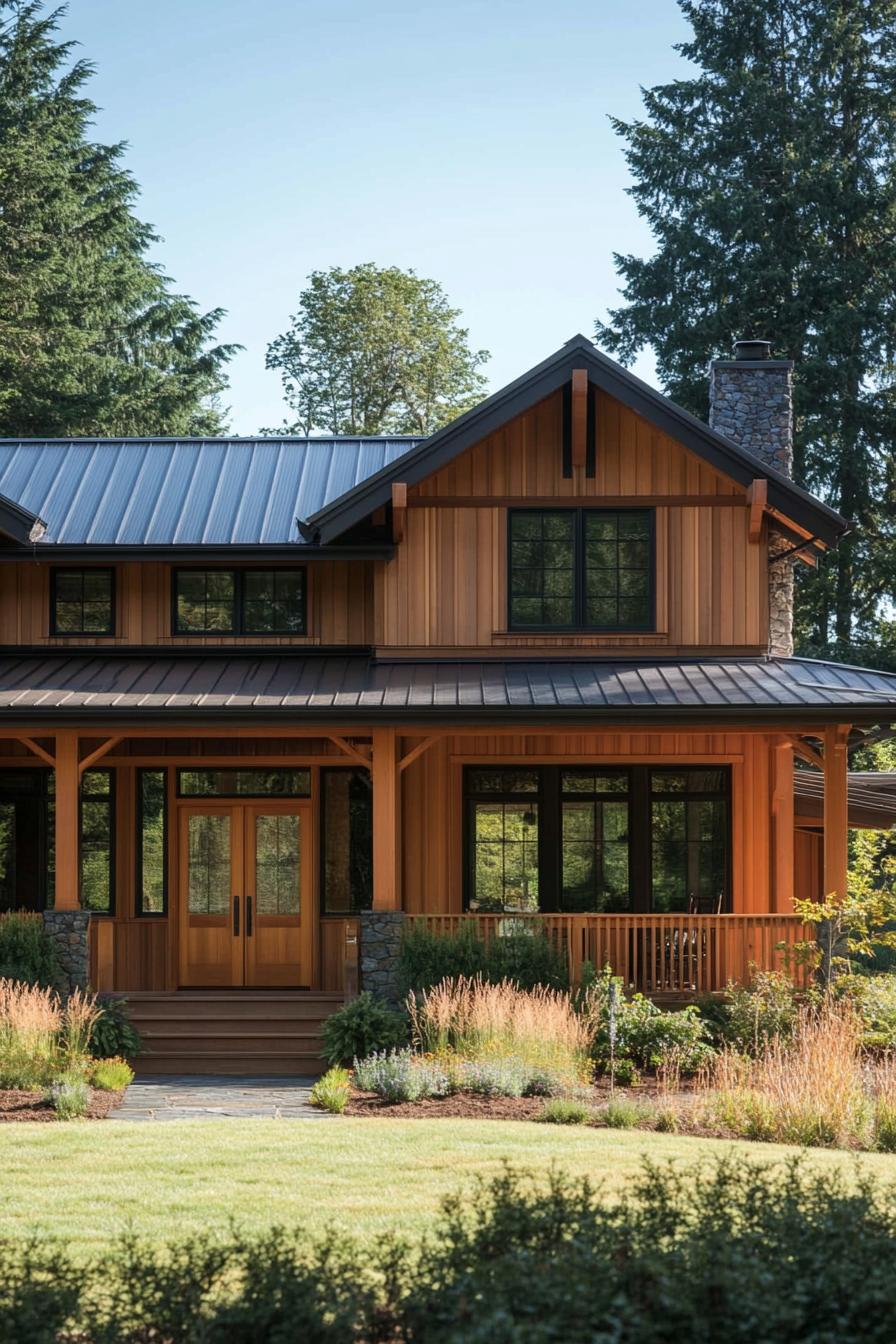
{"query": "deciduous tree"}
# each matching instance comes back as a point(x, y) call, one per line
point(374, 351)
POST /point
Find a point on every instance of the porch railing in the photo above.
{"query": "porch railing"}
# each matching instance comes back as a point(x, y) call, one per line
point(656, 954)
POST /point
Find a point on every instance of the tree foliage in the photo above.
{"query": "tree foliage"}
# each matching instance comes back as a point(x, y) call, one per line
point(374, 351)
point(768, 178)
point(92, 339)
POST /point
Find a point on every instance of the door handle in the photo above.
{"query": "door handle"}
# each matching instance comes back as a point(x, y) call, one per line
point(236, 916)
point(248, 916)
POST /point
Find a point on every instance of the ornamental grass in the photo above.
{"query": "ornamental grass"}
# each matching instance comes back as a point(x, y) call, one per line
point(478, 1021)
point(811, 1089)
point(40, 1036)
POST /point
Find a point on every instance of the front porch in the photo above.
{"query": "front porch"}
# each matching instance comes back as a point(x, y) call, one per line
point(242, 857)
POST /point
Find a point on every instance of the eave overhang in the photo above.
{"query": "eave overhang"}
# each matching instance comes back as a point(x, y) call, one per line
point(784, 496)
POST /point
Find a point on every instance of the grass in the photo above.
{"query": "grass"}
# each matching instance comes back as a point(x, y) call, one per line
point(86, 1183)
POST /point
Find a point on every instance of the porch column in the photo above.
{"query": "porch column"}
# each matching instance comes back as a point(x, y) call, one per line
point(835, 810)
point(67, 792)
point(782, 827)
point(386, 785)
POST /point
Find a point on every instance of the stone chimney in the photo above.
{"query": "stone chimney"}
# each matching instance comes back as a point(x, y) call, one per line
point(751, 402)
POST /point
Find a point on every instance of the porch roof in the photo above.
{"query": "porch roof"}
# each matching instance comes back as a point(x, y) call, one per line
point(108, 685)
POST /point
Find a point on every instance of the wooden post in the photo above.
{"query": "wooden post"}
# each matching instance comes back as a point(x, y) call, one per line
point(782, 827)
point(386, 784)
point(835, 810)
point(579, 417)
point(67, 828)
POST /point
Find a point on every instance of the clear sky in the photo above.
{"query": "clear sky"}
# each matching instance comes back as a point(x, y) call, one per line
point(468, 139)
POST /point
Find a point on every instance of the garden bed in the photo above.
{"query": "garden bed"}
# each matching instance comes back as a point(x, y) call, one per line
point(475, 1106)
point(18, 1105)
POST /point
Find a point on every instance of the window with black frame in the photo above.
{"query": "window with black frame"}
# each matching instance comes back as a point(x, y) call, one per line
point(346, 840)
point(82, 602)
point(597, 840)
point(239, 602)
point(97, 841)
point(152, 842)
point(590, 569)
point(503, 850)
point(689, 826)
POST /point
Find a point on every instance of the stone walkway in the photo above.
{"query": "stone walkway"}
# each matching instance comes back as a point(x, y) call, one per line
point(210, 1097)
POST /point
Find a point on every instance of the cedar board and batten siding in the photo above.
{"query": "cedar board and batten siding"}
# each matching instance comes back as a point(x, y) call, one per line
point(339, 595)
point(447, 585)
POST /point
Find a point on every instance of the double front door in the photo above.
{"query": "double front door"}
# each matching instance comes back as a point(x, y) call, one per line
point(245, 916)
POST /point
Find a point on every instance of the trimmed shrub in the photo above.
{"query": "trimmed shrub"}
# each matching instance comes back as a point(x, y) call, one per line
point(523, 955)
point(113, 1035)
point(726, 1250)
point(27, 954)
point(363, 1026)
point(332, 1091)
point(401, 1076)
point(566, 1111)
point(111, 1075)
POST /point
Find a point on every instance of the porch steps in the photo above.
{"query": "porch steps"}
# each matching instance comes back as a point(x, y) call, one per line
point(236, 1032)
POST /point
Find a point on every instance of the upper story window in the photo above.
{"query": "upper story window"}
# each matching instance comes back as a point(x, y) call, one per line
point(573, 569)
point(82, 602)
point(239, 602)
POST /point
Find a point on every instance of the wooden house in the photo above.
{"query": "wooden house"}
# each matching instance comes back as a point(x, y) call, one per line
point(257, 695)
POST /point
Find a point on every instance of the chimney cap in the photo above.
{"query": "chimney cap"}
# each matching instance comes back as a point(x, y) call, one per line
point(752, 350)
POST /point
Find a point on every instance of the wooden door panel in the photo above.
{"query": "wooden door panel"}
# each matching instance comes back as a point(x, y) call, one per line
point(278, 867)
point(211, 848)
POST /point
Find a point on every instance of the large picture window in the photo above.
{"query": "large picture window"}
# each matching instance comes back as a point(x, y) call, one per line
point(239, 602)
point(586, 569)
point(597, 840)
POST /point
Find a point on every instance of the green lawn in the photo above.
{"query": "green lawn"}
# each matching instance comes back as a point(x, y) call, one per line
point(88, 1182)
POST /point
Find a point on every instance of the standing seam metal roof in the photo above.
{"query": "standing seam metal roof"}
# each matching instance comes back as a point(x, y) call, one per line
point(132, 492)
point(110, 682)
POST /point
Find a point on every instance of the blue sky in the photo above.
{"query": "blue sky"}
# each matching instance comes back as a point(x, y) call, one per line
point(465, 138)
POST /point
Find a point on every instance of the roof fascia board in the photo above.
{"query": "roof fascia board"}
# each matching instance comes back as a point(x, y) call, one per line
point(222, 553)
point(720, 452)
point(462, 717)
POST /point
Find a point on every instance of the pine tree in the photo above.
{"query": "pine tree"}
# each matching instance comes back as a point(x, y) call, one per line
point(768, 179)
point(92, 338)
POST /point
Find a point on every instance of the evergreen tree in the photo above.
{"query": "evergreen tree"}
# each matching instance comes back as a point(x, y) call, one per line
point(768, 179)
point(92, 338)
point(375, 350)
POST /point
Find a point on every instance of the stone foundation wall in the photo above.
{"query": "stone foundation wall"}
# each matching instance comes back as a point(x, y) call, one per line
point(380, 939)
point(68, 930)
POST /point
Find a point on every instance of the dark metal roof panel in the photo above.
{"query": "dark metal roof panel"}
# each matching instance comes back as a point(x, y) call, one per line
point(126, 492)
point(117, 682)
point(871, 797)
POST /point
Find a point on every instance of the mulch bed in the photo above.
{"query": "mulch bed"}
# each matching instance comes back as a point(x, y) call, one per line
point(16, 1106)
point(472, 1106)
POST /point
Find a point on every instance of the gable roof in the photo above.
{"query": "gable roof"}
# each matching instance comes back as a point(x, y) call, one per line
point(427, 456)
point(144, 492)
